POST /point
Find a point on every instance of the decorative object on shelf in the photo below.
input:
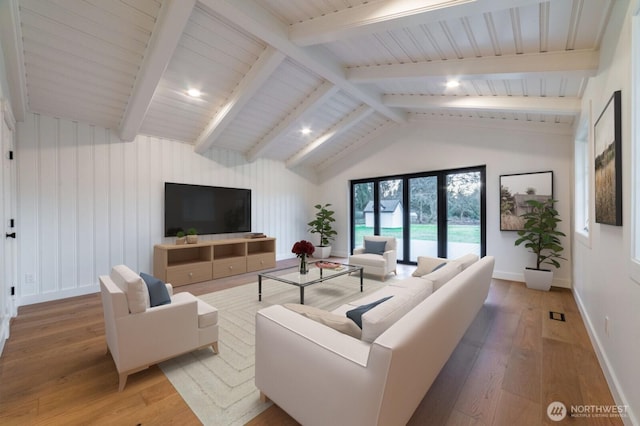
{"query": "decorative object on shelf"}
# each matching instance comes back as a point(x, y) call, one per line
point(515, 190)
point(302, 249)
point(192, 236)
point(180, 238)
point(608, 162)
point(542, 239)
point(322, 225)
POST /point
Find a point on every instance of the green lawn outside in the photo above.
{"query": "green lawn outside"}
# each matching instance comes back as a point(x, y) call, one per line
point(457, 233)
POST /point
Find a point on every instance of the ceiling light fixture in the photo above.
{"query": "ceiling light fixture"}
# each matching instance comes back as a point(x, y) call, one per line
point(452, 84)
point(194, 93)
point(305, 131)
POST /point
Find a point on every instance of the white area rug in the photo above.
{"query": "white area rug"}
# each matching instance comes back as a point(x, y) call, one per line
point(220, 388)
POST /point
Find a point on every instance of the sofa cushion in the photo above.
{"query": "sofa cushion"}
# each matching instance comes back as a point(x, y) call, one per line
point(132, 286)
point(444, 274)
point(337, 322)
point(374, 247)
point(356, 314)
point(424, 285)
point(467, 260)
point(377, 320)
point(158, 293)
point(427, 264)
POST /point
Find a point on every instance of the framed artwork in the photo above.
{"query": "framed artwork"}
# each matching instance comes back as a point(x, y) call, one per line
point(608, 162)
point(515, 190)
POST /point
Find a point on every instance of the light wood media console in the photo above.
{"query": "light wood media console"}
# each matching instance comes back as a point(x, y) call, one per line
point(193, 263)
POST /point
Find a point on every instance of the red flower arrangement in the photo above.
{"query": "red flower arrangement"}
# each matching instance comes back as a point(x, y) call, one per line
point(303, 248)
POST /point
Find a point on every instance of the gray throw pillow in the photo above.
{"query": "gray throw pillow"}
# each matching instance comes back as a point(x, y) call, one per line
point(158, 293)
point(356, 314)
point(374, 247)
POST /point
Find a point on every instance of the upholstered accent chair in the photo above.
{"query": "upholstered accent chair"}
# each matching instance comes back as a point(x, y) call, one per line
point(377, 256)
point(139, 335)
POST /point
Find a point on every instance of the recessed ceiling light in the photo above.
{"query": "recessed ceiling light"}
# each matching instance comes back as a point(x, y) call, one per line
point(305, 131)
point(453, 83)
point(194, 93)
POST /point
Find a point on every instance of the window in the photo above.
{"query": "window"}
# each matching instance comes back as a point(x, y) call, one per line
point(440, 213)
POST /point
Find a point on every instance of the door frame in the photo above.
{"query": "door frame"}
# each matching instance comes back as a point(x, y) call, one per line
point(8, 249)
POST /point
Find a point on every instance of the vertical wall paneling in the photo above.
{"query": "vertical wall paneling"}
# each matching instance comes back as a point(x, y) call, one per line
point(67, 204)
point(100, 194)
point(49, 199)
point(88, 201)
point(28, 172)
point(86, 214)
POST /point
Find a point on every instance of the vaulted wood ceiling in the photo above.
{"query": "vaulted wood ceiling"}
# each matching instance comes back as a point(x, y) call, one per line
point(346, 69)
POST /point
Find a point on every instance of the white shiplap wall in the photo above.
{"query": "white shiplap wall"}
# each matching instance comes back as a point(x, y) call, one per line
point(88, 201)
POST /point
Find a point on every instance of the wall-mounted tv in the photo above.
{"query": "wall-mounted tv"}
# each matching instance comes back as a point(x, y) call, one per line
point(208, 209)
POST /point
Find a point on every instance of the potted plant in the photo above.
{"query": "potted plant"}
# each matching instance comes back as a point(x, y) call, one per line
point(180, 238)
point(541, 237)
point(322, 225)
point(192, 236)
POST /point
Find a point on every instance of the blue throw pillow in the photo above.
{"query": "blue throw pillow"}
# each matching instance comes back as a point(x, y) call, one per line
point(158, 293)
point(356, 314)
point(374, 247)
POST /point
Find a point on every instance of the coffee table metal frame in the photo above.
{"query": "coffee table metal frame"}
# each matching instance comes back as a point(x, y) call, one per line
point(314, 276)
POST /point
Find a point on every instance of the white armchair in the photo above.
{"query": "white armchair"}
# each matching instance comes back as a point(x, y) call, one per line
point(139, 335)
point(378, 256)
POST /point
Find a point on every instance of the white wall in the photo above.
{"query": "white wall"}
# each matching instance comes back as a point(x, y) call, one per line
point(446, 144)
point(88, 201)
point(603, 286)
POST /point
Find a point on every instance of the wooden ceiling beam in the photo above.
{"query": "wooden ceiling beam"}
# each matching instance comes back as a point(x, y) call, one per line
point(376, 17)
point(254, 19)
point(530, 104)
point(577, 63)
point(342, 126)
point(305, 109)
point(166, 35)
point(259, 73)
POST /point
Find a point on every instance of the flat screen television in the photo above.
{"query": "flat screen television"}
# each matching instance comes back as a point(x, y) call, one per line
point(208, 209)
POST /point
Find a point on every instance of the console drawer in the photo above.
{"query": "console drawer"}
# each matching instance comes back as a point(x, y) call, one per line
point(257, 262)
point(228, 267)
point(189, 274)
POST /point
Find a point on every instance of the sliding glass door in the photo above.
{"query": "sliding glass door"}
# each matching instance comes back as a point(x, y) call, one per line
point(431, 214)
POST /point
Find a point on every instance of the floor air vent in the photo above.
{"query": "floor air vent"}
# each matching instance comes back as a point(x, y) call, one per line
point(556, 316)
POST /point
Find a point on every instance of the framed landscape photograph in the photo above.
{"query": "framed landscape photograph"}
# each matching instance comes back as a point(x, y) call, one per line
point(608, 163)
point(515, 190)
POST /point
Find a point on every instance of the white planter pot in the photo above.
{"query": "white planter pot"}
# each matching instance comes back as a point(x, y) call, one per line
point(538, 279)
point(322, 252)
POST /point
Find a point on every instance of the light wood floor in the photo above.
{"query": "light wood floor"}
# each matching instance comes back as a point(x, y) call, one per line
point(510, 365)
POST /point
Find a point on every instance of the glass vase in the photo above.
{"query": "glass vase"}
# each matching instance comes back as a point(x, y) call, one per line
point(303, 264)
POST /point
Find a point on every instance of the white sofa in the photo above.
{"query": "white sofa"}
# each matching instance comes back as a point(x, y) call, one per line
point(321, 376)
point(139, 335)
point(380, 264)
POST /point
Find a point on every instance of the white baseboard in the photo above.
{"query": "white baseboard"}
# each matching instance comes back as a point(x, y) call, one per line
point(48, 297)
point(612, 379)
point(4, 332)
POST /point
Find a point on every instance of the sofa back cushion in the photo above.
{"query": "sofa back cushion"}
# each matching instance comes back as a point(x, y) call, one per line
point(132, 286)
point(338, 322)
point(442, 275)
point(377, 320)
point(467, 260)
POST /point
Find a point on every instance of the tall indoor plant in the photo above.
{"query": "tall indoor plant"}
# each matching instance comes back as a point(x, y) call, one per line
point(542, 238)
point(322, 225)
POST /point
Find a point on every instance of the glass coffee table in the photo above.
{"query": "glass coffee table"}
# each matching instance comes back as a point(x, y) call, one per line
point(315, 275)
